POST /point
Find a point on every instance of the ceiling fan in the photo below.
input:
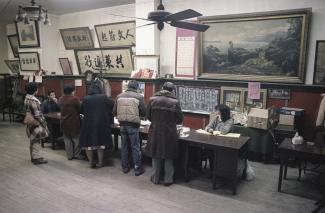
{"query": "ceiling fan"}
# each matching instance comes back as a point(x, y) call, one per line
point(160, 17)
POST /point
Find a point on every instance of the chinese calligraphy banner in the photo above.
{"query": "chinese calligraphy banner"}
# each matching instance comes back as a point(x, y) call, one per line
point(116, 34)
point(77, 38)
point(29, 61)
point(185, 52)
point(108, 60)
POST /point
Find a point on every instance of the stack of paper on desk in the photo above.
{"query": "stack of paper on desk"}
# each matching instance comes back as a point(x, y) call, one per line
point(201, 131)
point(230, 135)
point(145, 122)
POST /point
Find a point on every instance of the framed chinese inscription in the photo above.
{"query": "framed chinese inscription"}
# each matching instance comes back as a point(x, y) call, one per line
point(117, 61)
point(116, 34)
point(319, 67)
point(29, 61)
point(266, 46)
point(13, 41)
point(200, 100)
point(28, 35)
point(77, 38)
point(279, 93)
point(13, 65)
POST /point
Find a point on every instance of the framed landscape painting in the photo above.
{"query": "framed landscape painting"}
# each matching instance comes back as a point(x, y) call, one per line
point(319, 72)
point(77, 38)
point(28, 35)
point(267, 46)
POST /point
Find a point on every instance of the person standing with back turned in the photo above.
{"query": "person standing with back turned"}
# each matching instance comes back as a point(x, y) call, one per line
point(70, 122)
point(129, 107)
point(164, 112)
point(95, 133)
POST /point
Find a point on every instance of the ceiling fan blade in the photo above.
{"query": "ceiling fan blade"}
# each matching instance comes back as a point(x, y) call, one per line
point(190, 26)
point(146, 24)
point(185, 14)
point(128, 17)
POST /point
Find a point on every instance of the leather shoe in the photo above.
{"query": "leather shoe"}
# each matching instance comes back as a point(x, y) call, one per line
point(125, 170)
point(39, 161)
point(168, 184)
point(80, 157)
point(153, 181)
point(138, 171)
point(34, 160)
point(99, 165)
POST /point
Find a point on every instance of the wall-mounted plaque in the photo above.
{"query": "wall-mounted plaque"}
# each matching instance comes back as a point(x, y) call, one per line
point(29, 61)
point(77, 38)
point(107, 60)
point(116, 34)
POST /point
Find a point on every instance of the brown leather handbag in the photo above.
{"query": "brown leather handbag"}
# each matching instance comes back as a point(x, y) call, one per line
point(30, 120)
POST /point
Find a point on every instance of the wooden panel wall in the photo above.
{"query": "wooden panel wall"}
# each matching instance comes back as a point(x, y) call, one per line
point(308, 100)
point(54, 85)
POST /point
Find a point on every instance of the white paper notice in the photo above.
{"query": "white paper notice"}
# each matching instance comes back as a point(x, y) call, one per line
point(254, 90)
point(38, 79)
point(25, 77)
point(31, 78)
point(78, 83)
point(185, 56)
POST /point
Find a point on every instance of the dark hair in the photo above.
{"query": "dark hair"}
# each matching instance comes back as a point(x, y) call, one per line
point(95, 89)
point(133, 84)
point(31, 88)
point(169, 86)
point(224, 111)
point(68, 89)
point(49, 92)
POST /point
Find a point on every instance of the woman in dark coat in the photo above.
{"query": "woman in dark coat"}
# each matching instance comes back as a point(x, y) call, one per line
point(95, 134)
point(164, 112)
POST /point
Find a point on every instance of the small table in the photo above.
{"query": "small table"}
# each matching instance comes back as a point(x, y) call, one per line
point(299, 151)
point(227, 151)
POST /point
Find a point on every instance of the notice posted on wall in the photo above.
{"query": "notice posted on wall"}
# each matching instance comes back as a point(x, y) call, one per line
point(254, 90)
point(78, 82)
point(185, 52)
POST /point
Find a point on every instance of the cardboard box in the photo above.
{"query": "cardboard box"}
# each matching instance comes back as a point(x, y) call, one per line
point(258, 118)
point(292, 111)
point(287, 119)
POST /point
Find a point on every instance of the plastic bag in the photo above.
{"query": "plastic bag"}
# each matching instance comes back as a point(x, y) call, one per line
point(250, 174)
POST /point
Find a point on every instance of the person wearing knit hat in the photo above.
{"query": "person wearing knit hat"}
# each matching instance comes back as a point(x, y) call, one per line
point(129, 108)
point(165, 113)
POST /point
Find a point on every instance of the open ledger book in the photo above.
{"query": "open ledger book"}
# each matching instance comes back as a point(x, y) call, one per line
point(230, 135)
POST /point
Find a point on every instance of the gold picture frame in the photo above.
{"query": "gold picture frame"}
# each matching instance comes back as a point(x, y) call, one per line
point(267, 46)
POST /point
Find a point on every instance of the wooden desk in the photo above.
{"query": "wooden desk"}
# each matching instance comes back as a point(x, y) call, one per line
point(301, 152)
point(227, 152)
